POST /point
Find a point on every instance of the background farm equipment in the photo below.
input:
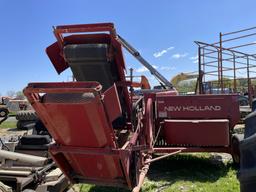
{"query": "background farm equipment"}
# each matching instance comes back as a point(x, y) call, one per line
point(22, 110)
point(9, 105)
point(26, 165)
point(26, 119)
point(100, 120)
point(3, 109)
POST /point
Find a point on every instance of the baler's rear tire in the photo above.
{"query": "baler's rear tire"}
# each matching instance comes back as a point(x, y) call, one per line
point(247, 172)
point(235, 147)
point(135, 168)
point(4, 112)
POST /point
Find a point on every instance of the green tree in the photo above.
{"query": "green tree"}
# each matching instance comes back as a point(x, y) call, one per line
point(20, 95)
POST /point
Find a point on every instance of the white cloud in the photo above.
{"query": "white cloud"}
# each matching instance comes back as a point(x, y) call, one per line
point(166, 68)
point(178, 55)
point(143, 69)
point(194, 58)
point(160, 53)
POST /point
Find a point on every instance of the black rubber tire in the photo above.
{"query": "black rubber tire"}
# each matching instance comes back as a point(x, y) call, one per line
point(235, 147)
point(253, 104)
point(27, 115)
point(25, 125)
point(35, 140)
point(19, 125)
point(4, 112)
point(250, 125)
point(247, 172)
point(40, 129)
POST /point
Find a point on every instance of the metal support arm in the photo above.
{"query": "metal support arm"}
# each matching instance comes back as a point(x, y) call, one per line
point(137, 55)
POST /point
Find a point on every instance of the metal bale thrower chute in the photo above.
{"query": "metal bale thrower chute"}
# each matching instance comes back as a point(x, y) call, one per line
point(104, 133)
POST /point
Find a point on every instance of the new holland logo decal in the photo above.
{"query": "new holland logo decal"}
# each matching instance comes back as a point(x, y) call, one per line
point(193, 108)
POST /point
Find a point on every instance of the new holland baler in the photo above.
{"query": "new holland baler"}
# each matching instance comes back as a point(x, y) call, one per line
point(104, 133)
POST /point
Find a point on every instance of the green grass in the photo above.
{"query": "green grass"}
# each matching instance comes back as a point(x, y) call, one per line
point(184, 173)
point(8, 124)
point(12, 113)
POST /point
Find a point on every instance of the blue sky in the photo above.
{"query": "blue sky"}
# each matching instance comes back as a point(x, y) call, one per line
point(163, 31)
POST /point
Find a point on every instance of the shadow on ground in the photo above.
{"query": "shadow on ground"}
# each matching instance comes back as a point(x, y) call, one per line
point(19, 130)
point(181, 167)
point(188, 168)
point(13, 129)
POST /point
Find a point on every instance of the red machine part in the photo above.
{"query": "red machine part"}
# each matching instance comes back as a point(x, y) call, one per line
point(76, 116)
point(197, 132)
point(78, 35)
point(92, 145)
point(87, 148)
point(149, 123)
point(55, 51)
point(199, 107)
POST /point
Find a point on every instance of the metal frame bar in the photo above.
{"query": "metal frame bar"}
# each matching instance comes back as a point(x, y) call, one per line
point(212, 55)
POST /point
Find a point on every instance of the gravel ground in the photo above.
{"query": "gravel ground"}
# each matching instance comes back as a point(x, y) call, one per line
point(12, 133)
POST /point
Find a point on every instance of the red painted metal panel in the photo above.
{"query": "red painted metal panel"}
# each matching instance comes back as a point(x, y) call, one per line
point(78, 124)
point(197, 132)
point(112, 104)
point(75, 115)
point(53, 52)
point(102, 168)
point(78, 28)
point(95, 166)
point(224, 149)
point(199, 107)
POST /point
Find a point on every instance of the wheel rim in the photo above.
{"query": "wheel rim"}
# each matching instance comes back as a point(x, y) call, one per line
point(2, 113)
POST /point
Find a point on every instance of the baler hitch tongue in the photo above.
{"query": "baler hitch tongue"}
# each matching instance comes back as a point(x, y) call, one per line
point(142, 175)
